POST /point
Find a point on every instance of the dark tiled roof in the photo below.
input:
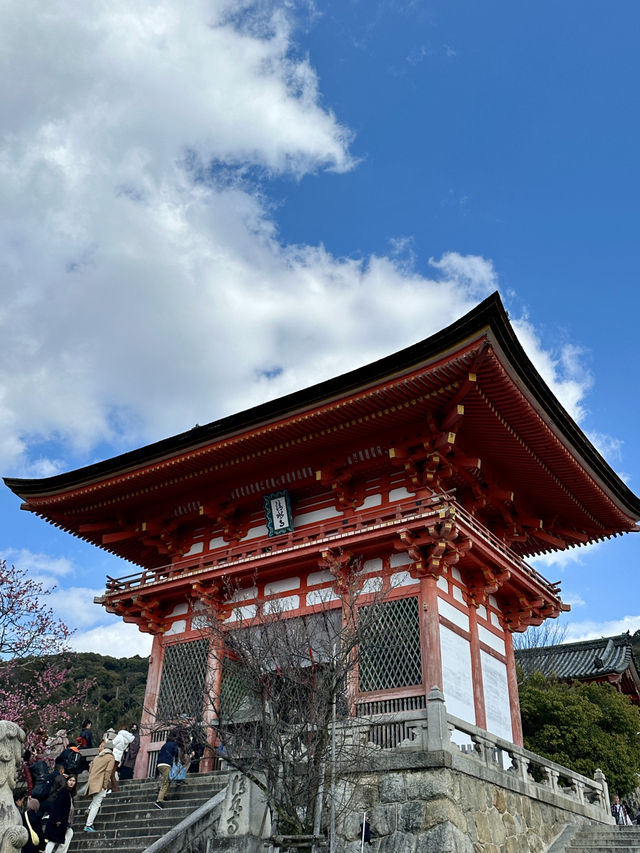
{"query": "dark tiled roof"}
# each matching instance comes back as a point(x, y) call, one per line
point(587, 659)
point(488, 318)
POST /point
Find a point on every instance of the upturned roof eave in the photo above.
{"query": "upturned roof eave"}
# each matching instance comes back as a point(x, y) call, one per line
point(488, 318)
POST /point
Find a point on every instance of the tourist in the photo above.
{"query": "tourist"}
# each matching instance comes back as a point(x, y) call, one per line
point(121, 742)
point(128, 763)
point(54, 783)
point(620, 813)
point(87, 734)
point(168, 754)
point(25, 771)
point(58, 832)
point(33, 824)
point(55, 744)
point(74, 762)
point(99, 783)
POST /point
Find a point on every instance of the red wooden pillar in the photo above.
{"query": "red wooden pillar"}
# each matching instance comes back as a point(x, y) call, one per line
point(213, 683)
point(430, 633)
point(149, 708)
point(512, 681)
point(476, 668)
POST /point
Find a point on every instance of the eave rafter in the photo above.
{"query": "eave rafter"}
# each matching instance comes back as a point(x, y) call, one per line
point(146, 612)
point(233, 521)
point(436, 547)
point(484, 582)
point(348, 489)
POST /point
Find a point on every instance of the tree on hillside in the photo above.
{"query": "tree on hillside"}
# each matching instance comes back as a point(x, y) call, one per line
point(583, 726)
point(29, 634)
point(117, 687)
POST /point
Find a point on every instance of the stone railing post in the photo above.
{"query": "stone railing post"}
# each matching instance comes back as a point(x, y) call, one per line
point(438, 738)
point(578, 789)
point(519, 765)
point(601, 779)
point(552, 778)
point(482, 748)
point(13, 835)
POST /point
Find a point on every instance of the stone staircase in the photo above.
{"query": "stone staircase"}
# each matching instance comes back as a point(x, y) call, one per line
point(128, 821)
point(605, 839)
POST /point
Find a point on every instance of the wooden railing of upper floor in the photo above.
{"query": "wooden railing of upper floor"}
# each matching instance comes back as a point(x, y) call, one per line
point(324, 534)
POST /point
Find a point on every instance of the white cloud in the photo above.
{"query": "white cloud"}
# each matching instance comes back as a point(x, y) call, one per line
point(607, 445)
point(570, 556)
point(144, 286)
point(118, 640)
point(574, 599)
point(75, 606)
point(589, 630)
point(40, 567)
point(565, 371)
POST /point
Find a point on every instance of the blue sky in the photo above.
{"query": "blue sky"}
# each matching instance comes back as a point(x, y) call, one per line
point(199, 195)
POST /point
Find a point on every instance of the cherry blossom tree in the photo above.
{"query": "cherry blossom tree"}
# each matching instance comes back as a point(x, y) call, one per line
point(33, 661)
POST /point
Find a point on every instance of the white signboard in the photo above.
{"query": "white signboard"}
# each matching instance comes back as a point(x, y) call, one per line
point(456, 675)
point(278, 513)
point(496, 696)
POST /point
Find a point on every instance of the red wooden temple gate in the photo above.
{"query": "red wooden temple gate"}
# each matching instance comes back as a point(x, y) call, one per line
point(442, 467)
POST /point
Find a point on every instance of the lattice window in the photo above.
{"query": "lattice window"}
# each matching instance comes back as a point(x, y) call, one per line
point(183, 680)
point(238, 701)
point(390, 649)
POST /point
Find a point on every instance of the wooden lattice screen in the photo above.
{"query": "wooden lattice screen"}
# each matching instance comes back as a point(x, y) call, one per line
point(390, 652)
point(183, 679)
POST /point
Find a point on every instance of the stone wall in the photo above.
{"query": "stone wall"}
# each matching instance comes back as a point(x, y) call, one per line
point(448, 810)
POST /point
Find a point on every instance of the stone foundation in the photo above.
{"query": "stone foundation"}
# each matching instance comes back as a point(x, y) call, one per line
point(447, 810)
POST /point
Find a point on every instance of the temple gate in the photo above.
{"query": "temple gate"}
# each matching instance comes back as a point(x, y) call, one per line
point(440, 469)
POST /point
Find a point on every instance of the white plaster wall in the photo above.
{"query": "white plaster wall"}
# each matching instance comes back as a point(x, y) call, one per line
point(239, 613)
point(319, 577)
point(321, 596)
point(315, 515)
point(254, 532)
point(371, 500)
point(490, 639)
point(399, 559)
point(277, 605)
point(281, 586)
point(457, 679)
point(496, 696)
point(244, 594)
point(399, 494)
point(453, 614)
point(401, 579)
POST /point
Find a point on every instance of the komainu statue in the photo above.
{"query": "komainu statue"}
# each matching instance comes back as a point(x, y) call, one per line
point(13, 835)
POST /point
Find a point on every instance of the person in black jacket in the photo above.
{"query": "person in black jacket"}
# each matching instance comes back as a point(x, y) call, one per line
point(168, 754)
point(55, 782)
point(58, 832)
point(86, 734)
point(33, 824)
point(73, 761)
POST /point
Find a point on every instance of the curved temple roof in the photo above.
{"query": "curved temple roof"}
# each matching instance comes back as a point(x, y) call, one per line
point(516, 422)
point(588, 659)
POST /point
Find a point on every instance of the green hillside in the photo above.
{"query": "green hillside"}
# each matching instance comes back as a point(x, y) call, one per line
point(117, 694)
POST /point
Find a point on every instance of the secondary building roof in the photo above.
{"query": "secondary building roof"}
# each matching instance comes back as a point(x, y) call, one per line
point(608, 659)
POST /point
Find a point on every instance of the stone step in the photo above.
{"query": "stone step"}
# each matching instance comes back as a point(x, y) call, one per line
point(128, 820)
point(605, 840)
